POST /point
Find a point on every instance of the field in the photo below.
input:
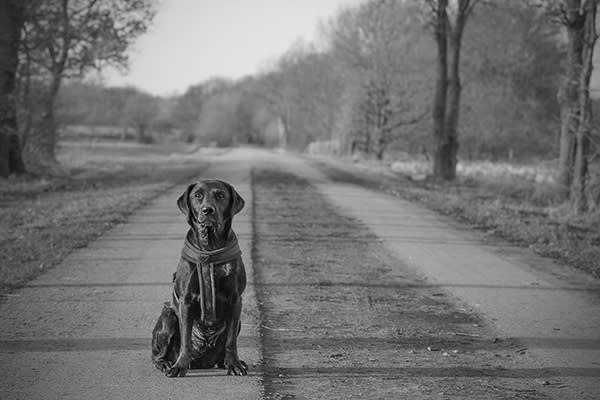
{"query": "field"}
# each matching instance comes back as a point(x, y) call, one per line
point(43, 219)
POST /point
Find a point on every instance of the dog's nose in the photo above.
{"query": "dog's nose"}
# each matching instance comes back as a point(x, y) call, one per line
point(207, 210)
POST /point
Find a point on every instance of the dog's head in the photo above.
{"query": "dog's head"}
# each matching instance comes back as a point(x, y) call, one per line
point(210, 206)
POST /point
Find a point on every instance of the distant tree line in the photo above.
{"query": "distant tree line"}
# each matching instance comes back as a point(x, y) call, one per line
point(447, 79)
point(117, 108)
point(219, 112)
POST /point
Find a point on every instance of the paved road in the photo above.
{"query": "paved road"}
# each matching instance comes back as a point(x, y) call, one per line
point(82, 329)
point(552, 311)
point(558, 322)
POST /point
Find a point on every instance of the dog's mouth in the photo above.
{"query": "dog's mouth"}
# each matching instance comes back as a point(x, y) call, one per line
point(206, 226)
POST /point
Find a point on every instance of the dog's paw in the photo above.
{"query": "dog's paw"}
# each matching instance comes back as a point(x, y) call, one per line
point(236, 367)
point(163, 366)
point(176, 371)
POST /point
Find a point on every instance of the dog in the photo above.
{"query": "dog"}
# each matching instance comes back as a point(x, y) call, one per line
point(200, 327)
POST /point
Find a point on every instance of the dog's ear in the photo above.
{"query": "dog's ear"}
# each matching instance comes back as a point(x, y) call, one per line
point(183, 202)
point(237, 203)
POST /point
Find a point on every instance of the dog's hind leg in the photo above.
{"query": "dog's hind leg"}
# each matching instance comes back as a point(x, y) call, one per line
point(165, 339)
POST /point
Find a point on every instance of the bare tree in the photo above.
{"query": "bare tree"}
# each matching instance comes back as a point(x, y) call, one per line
point(12, 19)
point(65, 39)
point(372, 42)
point(140, 111)
point(449, 21)
point(280, 88)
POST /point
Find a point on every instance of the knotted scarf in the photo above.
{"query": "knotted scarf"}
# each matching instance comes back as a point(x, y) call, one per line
point(205, 261)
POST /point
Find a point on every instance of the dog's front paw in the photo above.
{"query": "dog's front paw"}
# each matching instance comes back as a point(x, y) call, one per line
point(235, 366)
point(176, 370)
point(163, 366)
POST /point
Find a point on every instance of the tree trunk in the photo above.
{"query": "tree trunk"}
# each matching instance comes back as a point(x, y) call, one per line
point(141, 133)
point(39, 152)
point(283, 132)
point(453, 98)
point(441, 87)
point(568, 97)
point(24, 90)
point(378, 133)
point(446, 108)
point(575, 103)
point(378, 143)
point(578, 195)
point(382, 122)
point(12, 18)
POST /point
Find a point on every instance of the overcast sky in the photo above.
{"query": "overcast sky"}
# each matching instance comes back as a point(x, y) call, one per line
point(193, 40)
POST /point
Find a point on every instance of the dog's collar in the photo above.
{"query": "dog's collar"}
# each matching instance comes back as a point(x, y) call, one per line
point(196, 255)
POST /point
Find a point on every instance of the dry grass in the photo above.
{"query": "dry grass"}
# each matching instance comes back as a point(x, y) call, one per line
point(43, 219)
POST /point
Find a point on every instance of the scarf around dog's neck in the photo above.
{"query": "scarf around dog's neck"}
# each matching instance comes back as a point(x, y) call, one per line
point(205, 261)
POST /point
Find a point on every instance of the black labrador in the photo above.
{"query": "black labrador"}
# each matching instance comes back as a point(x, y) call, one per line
point(199, 328)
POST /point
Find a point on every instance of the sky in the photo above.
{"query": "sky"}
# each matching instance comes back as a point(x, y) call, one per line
point(193, 40)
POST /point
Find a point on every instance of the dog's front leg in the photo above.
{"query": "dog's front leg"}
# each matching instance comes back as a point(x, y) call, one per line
point(185, 329)
point(232, 362)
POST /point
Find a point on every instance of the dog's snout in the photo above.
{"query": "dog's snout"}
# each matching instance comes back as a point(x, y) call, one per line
point(207, 210)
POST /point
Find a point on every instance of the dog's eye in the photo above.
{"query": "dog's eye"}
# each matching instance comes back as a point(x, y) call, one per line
point(220, 195)
point(199, 195)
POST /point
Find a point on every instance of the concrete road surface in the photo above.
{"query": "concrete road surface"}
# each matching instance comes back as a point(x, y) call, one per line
point(82, 330)
point(553, 311)
point(557, 321)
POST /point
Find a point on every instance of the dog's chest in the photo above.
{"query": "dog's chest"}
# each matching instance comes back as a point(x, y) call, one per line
point(224, 270)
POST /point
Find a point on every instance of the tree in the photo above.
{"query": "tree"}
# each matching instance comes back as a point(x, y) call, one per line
point(579, 19)
point(217, 120)
point(279, 88)
point(249, 115)
point(304, 91)
point(373, 43)
point(140, 110)
point(66, 39)
point(12, 19)
point(448, 33)
point(84, 103)
point(188, 107)
point(512, 62)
